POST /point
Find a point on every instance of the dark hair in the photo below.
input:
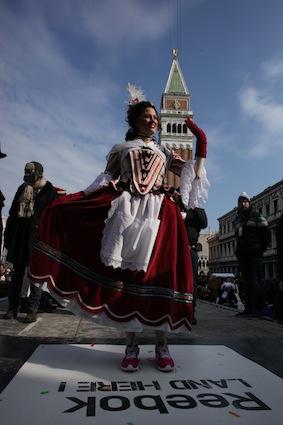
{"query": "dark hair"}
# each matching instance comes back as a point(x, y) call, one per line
point(133, 114)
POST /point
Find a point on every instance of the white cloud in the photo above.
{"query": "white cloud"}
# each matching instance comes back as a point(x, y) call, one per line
point(126, 21)
point(222, 146)
point(49, 111)
point(112, 23)
point(267, 116)
point(264, 109)
point(273, 68)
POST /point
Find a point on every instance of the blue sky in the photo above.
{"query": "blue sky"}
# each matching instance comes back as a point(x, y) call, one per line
point(65, 65)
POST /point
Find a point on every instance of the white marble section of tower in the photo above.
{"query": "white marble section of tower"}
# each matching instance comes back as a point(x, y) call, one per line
point(175, 108)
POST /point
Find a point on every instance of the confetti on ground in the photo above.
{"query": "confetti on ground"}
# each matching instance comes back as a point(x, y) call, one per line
point(234, 414)
point(105, 388)
point(44, 392)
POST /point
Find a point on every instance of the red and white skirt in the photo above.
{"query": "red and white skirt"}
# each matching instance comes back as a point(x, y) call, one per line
point(67, 256)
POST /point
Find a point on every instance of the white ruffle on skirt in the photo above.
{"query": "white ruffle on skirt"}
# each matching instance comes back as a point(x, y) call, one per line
point(130, 231)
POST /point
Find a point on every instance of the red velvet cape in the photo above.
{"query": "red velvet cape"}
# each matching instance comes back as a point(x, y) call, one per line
point(67, 256)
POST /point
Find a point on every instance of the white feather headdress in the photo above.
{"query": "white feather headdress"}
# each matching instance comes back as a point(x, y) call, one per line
point(136, 94)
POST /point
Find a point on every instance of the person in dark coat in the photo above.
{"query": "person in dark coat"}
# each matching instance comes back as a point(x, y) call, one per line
point(278, 305)
point(195, 221)
point(2, 199)
point(279, 241)
point(252, 235)
point(31, 198)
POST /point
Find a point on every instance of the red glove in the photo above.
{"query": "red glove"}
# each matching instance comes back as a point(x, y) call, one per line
point(200, 136)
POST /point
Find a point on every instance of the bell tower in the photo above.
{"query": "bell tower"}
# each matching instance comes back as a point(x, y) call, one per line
point(175, 108)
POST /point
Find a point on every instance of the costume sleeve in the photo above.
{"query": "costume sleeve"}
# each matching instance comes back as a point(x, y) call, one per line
point(112, 172)
point(194, 183)
point(113, 165)
point(201, 145)
point(193, 189)
point(103, 179)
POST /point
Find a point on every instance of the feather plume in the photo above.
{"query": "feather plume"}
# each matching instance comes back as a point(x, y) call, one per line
point(136, 94)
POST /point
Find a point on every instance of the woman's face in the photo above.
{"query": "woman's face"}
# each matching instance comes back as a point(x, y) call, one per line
point(147, 123)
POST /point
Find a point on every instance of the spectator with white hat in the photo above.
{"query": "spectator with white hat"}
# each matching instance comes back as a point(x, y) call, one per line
point(252, 235)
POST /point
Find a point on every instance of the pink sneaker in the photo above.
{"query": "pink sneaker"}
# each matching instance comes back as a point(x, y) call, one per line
point(163, 360)
point(131, 361)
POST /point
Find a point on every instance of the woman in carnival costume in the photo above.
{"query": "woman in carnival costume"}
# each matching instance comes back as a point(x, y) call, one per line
point(117, 252)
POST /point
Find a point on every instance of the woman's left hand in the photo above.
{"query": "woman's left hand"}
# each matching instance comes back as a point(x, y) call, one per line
point(201, 145)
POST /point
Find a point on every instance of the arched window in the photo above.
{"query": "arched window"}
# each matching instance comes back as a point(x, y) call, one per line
point(168, 128)
point(179, 128)
point(174, 128)
point(185, 130)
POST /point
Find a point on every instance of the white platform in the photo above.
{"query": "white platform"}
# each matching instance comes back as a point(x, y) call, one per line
point(82, 384)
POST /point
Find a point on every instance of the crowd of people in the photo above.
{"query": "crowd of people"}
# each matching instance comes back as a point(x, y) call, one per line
point(124, 251)
point(230, 292)
point(217, 289)
point(5, 279)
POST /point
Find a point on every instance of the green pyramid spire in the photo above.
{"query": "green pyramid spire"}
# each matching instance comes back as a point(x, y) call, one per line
point(176, 84)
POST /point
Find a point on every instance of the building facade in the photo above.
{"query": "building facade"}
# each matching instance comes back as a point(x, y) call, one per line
point(222, 245)
point(203, 254)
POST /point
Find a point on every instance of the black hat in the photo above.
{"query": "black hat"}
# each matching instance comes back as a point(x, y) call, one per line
point(38, 168)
